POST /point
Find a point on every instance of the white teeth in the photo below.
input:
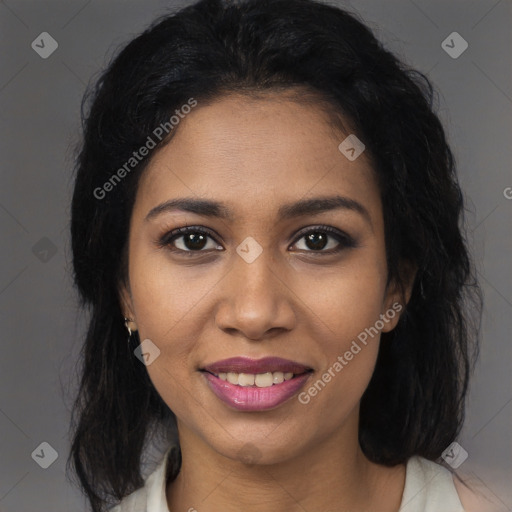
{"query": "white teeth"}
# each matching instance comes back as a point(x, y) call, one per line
point(232, 378)
point(264, 380)
point(246, 379)
point(277, 377)
point(261, 380)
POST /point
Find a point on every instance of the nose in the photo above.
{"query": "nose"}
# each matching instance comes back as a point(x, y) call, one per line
point(256, 302)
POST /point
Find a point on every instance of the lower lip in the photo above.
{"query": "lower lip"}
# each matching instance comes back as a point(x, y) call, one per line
point(246, 398)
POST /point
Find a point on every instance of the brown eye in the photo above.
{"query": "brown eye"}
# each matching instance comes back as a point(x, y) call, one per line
point(322, 237)
point(316, 240)
point(190, 239)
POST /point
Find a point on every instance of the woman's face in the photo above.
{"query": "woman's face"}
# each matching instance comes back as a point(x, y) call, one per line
point(267, 280)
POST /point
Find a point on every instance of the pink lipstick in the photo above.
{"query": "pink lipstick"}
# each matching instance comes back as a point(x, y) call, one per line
point(255, 384)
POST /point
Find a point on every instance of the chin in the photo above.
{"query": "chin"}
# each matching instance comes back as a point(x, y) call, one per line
point(257, 452)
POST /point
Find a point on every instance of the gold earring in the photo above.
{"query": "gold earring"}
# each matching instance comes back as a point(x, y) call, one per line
point(130, 325)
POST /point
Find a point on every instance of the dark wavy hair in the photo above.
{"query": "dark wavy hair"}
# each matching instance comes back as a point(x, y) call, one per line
point(414, 404)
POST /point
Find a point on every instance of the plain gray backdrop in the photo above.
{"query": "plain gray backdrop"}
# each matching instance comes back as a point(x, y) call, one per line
point(39, 122)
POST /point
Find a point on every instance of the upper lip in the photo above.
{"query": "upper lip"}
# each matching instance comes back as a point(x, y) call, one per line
point(255, 366)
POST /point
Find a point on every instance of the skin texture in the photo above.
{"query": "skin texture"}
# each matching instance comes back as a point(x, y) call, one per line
point(293, 301)
point(475, 496)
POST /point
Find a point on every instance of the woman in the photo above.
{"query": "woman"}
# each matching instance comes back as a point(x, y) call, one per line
point(267, 209)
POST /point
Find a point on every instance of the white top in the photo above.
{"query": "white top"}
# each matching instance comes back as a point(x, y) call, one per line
point(429, 487)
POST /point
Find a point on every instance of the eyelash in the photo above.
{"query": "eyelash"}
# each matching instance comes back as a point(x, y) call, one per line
point(345, 241)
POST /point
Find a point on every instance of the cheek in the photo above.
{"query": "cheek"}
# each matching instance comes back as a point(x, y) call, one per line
point(348, 338)
point(348, 303)
point(167, 297)
point(166, 308)
point(347, 300)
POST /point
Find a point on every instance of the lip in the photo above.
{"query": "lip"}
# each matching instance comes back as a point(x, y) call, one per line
point(247, 398)
point(255, 366)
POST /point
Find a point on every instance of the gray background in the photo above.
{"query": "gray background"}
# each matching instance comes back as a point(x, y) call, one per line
point(39, 123)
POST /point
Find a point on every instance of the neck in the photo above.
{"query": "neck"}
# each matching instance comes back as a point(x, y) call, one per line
point(334, 474)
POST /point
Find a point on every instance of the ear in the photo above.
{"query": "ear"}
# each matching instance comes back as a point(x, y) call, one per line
point(397, 297)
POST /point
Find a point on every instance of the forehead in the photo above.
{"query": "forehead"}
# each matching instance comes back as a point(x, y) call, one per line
point(252, 153)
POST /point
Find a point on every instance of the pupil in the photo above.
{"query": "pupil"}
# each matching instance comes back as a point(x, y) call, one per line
point(193, 241)
point(316, 240)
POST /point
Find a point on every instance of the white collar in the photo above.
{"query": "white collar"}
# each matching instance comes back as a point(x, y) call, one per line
point(156, 484)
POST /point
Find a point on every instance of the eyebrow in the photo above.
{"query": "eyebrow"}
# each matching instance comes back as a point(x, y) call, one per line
point(313, 206)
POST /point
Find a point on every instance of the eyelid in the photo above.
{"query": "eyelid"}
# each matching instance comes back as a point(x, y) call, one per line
point(343, 238)
point(184, 230)
point(345, 241)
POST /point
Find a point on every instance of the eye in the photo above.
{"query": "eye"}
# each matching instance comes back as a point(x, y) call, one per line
point(190, 239)
point(196, 239)
point(318, 238)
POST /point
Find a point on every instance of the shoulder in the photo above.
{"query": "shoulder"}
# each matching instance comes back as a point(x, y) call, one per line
point(474, 496)
point(151, 497)
point(429, 487)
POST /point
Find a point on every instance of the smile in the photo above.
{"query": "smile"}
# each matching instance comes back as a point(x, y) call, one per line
point(260, 380)
point(244, 396)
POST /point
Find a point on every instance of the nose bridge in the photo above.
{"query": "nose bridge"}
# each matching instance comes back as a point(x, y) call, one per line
point(254, 274)
point(255, 299)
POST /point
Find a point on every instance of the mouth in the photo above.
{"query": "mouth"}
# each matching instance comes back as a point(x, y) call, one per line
point(259, 380)
point(244, 364)
point(255, 385)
